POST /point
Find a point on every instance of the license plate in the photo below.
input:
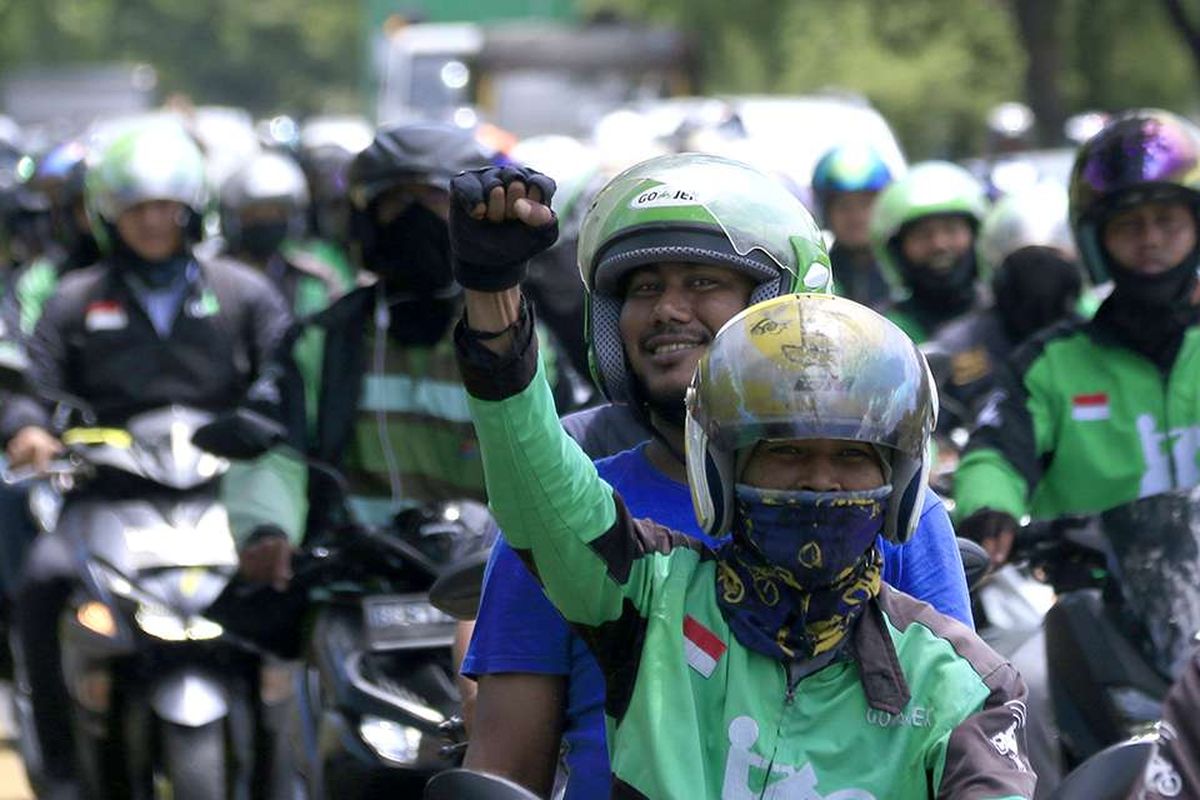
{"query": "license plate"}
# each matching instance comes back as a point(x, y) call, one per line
point(406, 621)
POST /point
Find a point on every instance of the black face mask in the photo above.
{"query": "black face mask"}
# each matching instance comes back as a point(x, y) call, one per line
point(262, 240)
point(945, 293)
point(1150, 313)
point(412, 254)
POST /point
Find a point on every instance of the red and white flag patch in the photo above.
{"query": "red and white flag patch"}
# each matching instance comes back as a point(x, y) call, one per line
point(1090, 407)
point(105, 315)
point(701, 646)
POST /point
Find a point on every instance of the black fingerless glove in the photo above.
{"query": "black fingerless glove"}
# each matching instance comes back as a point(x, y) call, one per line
point(494, 256)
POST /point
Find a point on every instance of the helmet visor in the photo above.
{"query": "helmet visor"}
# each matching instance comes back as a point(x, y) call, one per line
point(753, 210)
point(813, 366)
point(1141, 150)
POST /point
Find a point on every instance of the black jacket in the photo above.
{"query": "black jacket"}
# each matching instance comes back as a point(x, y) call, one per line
point(95, 342)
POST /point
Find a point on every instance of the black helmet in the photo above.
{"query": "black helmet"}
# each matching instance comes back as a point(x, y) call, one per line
point(423, 153)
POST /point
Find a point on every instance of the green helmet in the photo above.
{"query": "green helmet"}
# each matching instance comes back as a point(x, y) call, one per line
point(155, 162)
point(690, 208)
point(929, 189)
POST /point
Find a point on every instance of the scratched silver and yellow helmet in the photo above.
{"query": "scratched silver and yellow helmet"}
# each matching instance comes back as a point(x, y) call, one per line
point(809, 366)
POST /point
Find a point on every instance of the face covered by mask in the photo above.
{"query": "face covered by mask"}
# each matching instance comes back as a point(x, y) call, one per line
point(412, 256)
point(1151, 313)
point(947, 287)
point(261, 240)
point(800, 567)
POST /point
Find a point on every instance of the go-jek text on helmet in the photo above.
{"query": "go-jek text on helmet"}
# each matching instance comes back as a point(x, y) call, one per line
point(1034, 215)
point(689, 208)
point(855, 167)
point(268, 178)
point(1140, 156)
point(931, 188)
point(156, 162)
point(809, 366)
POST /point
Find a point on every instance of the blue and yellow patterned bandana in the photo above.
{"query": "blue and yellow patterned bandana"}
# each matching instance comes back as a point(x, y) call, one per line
point(800, 567)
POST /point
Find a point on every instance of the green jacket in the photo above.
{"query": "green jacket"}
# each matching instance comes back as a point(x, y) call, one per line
point(917, 702)
point(1079, 424)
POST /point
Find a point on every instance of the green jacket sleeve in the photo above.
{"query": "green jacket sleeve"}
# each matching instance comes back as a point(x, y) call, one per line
point(1002, 465)
point(555, 511)
point(270, 490)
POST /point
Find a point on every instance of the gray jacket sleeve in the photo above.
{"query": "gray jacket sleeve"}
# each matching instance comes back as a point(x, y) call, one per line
point(986, 755)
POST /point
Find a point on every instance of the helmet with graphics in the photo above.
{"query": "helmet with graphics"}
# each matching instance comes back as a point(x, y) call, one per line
point(809, 366)
point(853, 167)
point(929, 189)
point(157, 161)
point(1034, 215)
point(689, 208)
point(1140, 156)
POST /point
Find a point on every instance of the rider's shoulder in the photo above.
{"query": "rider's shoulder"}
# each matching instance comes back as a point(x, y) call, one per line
point(245, 279)
point(1065, 335)
point(81, 283)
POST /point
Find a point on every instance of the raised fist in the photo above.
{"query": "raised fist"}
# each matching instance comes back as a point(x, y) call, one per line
point(500, 217)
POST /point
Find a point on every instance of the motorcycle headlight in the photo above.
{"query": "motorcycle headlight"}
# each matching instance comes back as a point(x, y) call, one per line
point(160, 623)
point(163, 624)
point(394, 743)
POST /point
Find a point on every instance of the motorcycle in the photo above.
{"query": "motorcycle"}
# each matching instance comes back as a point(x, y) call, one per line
point(165, 701)
point(379, 689)
point(1128, 612)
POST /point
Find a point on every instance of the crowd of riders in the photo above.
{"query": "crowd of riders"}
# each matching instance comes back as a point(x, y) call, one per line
point(706, 419)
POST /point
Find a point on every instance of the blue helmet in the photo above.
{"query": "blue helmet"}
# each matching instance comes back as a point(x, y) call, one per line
point(855, 167)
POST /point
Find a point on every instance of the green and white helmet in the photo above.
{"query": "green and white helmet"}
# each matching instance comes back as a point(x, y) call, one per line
point(690, 208)
point(932, 188)
point(156, 162)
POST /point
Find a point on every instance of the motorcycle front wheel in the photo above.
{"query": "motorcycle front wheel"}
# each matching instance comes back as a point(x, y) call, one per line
point(194, 761)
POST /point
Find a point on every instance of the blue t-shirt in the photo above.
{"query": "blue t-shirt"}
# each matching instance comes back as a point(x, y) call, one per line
point(518, 630)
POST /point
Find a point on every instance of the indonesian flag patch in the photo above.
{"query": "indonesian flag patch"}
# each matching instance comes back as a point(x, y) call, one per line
point(702, 647)
point(1090, 407)
point(105, 315)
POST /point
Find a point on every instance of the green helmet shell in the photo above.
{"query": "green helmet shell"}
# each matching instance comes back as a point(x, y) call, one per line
point(690, 208)
point(156, 162)
point(928, 189)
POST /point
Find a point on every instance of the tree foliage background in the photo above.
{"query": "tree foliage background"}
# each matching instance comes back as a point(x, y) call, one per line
point(933, 67)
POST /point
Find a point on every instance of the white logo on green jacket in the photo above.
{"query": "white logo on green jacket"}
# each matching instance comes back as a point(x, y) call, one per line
point(783, 782)
point(1181, 443)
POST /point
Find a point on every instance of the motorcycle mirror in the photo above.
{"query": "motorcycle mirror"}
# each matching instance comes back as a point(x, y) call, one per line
point(458, 589)
point(465, 784)
point(976, 561)
point(240, 435)
point(1108, 775)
